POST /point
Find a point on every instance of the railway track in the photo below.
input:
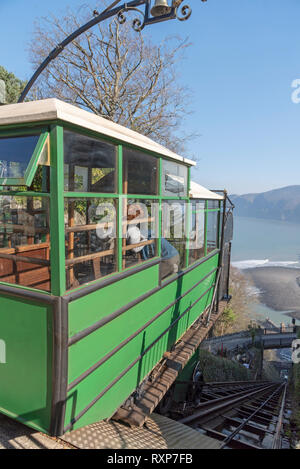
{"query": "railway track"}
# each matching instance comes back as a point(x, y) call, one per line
point(240, 414)
point(248, 415)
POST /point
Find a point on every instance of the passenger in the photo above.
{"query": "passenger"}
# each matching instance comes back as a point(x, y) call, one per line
point(134, 235)
point(170, 256)
point(170, 259)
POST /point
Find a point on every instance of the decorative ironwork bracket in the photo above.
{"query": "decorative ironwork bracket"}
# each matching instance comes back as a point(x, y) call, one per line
point(177, 11)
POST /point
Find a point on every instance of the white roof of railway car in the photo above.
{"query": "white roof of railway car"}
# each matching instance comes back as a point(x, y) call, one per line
point(200, 192)
point(54, 109)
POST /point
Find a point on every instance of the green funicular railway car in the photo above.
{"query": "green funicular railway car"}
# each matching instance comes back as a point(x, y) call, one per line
point(108, 255)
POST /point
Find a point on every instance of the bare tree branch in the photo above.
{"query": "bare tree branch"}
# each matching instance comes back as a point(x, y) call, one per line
point(115, 73)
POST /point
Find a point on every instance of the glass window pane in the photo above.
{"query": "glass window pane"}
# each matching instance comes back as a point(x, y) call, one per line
point(212, 230)
point(197, 231)
point(139, 173)
point(90, 164)
point(140, 222)
point(41, 180)
point(15, 155)
point(40, 183)
point(173, 243)
point(91, 247)
point(174, 179)
point(25, 241)
point(213, 204)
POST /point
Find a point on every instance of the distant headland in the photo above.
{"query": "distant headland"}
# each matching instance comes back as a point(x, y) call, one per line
point(279, 204)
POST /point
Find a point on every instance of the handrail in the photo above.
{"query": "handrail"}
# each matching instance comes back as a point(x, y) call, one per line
point(214, 295)
point(110, 252)
point(79, 228)
point(29, 260)
point(89, 257)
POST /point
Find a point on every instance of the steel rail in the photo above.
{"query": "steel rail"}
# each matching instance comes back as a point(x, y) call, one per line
point(213, 405)
point(234, 383)
point(230, 437)
point(210, 393)
point(227, 384)
point(277, 436)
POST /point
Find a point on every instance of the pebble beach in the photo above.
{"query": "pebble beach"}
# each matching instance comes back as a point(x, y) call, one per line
point(279, 288)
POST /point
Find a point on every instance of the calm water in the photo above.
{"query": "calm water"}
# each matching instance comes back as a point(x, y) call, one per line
point(260, 242)
point(265, 242)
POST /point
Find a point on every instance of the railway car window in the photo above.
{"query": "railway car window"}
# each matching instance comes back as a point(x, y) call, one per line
point(139, 242)
point(197, 231)
point(173, 243)
point(41, 179)
point(174, 179)
point(91, 248)
point(213, 205)
point(25, 241)
point(139, 173)
point(15, 155)
point(212, 220)
point(90, 164)
point(40, 183)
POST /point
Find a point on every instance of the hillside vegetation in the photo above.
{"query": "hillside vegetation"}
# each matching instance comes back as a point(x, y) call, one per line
point(216, 368)
point(237, 315)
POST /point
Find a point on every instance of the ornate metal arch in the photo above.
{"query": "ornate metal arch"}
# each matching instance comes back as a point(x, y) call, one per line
point(177, 11)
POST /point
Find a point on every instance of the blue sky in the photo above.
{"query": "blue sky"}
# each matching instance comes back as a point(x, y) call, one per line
point(243, 59)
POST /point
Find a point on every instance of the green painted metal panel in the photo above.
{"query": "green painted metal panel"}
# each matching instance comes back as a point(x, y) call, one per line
point(160, 206)
point(188, 229)
point(95, 346)
point(92, 195)
point(33, 164)
point(26, 384)
point(57, 220)
point(95, 306)
point(120, 208)
point(88, 389)
point(24, 129)
point(25, 194)
point(205, 230)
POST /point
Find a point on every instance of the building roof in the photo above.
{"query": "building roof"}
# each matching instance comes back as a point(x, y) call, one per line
point(200, 192)
point(54, 109)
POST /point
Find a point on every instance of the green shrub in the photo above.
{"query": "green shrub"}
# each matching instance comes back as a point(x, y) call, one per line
point(221, 369)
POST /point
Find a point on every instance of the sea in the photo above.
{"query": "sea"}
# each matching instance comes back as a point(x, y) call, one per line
point(260, 242)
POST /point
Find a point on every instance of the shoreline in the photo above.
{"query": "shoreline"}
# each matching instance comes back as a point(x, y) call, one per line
point(279, 288)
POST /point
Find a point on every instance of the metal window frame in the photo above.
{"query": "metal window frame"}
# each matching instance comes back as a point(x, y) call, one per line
point(32, 166)
point(55, 131)
point(121, 196)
